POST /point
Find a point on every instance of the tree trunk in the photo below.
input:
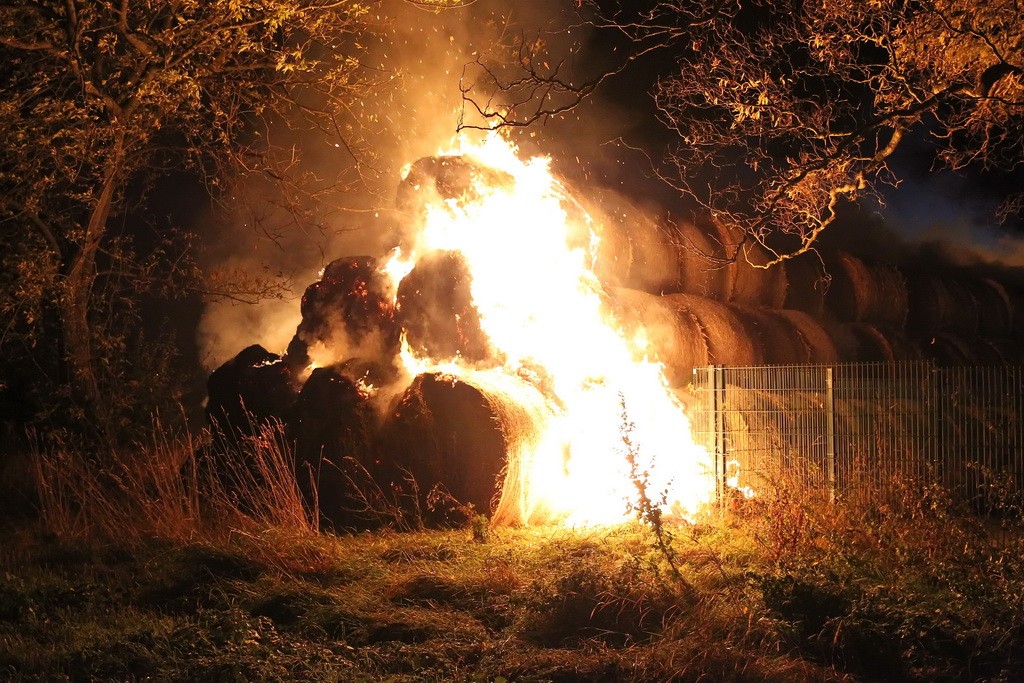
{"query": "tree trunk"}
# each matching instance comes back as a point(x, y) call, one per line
point(75, 300)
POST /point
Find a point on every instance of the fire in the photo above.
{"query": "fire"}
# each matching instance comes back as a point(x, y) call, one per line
point(595, 412)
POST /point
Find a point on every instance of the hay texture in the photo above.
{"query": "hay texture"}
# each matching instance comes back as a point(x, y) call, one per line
point(331, 427)
point(807, 281)
point(862, 292)
point(436, 312)
point(672, 336)
point(941, 304)
point(448, 433)
point(727, 338)
point(819, 346)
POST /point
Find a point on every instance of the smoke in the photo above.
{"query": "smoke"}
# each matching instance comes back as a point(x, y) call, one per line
point(415, 59)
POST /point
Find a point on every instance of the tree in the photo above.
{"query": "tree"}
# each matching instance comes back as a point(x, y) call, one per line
point(99, 99)
point(782, 110)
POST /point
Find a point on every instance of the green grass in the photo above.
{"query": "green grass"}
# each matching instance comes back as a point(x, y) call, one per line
point(124, 578)
point(530, 605)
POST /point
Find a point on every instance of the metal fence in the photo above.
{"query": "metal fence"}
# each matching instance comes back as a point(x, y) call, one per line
point(854, 429)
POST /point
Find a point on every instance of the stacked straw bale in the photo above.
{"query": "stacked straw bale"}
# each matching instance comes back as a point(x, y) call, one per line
point(860, 292)
point(674, 336)
point(448, 433)
point(941, 304)
point(749, 283)
point(995, 310)
point(807, 283)
point(332, 426)
point(820, 347)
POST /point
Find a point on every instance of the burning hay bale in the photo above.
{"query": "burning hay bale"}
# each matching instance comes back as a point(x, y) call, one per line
point(348, 309)
point(331, 427)
point(674, 337)
point(862, 292)
point(441, 178)
point(436, 312)
point(444, 436)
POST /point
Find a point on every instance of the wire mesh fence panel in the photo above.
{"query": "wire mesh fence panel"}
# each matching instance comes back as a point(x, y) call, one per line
point(862, 430)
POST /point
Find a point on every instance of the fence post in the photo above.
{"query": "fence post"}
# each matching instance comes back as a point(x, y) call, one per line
point(717, 374)
point(830, 434)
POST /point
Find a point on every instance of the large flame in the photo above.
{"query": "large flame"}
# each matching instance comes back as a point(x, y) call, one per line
point(601, 416)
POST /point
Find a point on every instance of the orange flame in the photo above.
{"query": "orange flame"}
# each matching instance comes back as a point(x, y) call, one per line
point(589, 400)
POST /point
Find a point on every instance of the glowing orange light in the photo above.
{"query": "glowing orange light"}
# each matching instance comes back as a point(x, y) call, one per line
point(591, 397)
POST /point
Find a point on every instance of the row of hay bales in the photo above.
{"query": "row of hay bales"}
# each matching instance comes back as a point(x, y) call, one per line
point(834, 285)
point(686, 331)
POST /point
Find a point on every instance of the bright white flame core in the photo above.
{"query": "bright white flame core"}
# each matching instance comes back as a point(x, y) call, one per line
point(591, 395)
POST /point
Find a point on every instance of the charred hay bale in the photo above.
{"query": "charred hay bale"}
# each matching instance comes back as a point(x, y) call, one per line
point(347, 309)
point(674, 336)
point(862, 292)
point(247, 396)
point(436, 312)
point(436, 179)
point(940, 304)
point(820, 346)
point(331, 427)
point(253, 388)
point(445, 433)
point(807, 282)
point(727, 338)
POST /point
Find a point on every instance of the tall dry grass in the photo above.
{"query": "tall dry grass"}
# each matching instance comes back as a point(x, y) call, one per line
point(169, 487)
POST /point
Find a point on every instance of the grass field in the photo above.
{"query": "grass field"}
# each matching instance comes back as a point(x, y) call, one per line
point(785, 587)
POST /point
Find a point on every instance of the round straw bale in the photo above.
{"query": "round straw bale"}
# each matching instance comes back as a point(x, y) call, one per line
point(995, 312)
point(674, 336)
point(941, 304)
point(331, 427)
point(819, 345)
point(436, 312)
point(750, 285)
point(700, 262)
point(861, 292)
point(248, 395)
point(1010, 351)
point(948, 350)
point(252, 389)
point(807, 281)
point(779, 342)
point(346, 306)
point(445, 435)
point(861, 342)
point(633, 249)
point(727, 338)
